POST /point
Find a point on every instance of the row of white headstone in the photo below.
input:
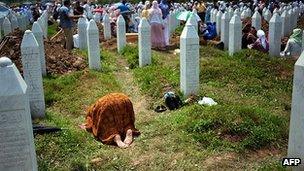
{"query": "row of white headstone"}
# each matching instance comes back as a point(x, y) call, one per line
point(277, 26)
point(10, 23)
point(22, 100)
point(89, 40)
point(189, 45)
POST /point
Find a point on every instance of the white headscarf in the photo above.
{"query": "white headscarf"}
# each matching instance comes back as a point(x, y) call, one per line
point(262, 38)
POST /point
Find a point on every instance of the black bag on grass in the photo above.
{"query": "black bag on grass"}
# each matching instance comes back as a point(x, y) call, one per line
point(172, 101)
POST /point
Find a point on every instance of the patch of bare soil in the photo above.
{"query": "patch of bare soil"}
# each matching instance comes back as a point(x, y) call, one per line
point(58, 59)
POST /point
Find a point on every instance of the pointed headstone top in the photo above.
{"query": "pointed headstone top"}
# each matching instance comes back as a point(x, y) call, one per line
point(219, 13)
point(6, 21)
point(121, 20)
point(143, 23)
point(28, 40)
point(106, 18)
point(275, 18)
point(225, 15)
point(5, 62)
point(36, 28)
point(82, 21)
point(189, 31)
point(235, 20)
point(92, 25)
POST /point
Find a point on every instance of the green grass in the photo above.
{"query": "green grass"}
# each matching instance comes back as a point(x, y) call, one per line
point(52, 29)
point(253, 92)
point(247, 129)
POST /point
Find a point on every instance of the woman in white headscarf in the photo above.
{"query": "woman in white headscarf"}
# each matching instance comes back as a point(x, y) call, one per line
point(261, 44)
point(157, 27)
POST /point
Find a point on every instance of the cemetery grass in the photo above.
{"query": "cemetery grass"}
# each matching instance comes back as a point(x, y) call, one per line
point(248, 129)
point(254, 96)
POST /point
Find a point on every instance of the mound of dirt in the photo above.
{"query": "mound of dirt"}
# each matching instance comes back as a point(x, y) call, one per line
point(58, 59)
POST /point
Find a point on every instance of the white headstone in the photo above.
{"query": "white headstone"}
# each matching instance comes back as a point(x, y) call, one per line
point(296, 136)
point(17, 141)
point(97, 17)
point(192, 21)
point(256, 20)
point(211, 15)
point(32, 74)
point(38, 33)
point(189, 61)
point(244, 15)
point(235, 35)
point(214, 15)
point(225, 30)
point(82, 33)
point(106, 27)
point(218, 22)
point(248, 12)
point(93, 45)
point(267, 15)
point(230, 13)
point(144, 43)
point(275, 31)
point(291, 18)
point(285, 23)
point(121, 33)
point(45, 23)
point(14, 22)
point(7, 26)
point(295, 18)
point(42, 25)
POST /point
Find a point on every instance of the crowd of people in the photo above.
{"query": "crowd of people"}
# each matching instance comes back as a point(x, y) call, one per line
point(157, 13)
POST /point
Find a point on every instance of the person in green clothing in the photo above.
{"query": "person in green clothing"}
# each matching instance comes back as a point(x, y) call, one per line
point(294, 45)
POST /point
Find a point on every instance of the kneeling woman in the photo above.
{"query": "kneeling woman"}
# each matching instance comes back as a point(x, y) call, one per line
point(111, 119)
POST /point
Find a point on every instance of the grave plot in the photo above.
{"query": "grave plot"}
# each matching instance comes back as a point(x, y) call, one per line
point(58, 60)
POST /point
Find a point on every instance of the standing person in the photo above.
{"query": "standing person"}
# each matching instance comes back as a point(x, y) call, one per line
point(145, 11)
point(66, 23)
point(157, 27)
point(165, 10)
point(201, 10)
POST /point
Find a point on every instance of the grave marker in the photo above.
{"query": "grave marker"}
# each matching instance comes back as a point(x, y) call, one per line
point(106, 27)
point(17, 141)
point(93, 45)
point(256, 20)
point(32, 74)
point(121, 33)
point(275, 31)
point(144, 42)
point(189, 60)
point(225, 30)
point(82, 33)
point(38, 33)
point(235, 34)
point(296, 136)
point(7, 26)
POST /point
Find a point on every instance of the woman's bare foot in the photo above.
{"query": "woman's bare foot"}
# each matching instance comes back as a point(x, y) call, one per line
point(129, 138)
point(117, 140)
point(82, 126)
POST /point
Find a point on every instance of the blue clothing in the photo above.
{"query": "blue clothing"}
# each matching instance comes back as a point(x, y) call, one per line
point(123, 8)
point(164, 8)
point(65, 20)
point(210, 32)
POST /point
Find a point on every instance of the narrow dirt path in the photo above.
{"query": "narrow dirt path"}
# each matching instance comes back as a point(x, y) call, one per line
point(140, 102)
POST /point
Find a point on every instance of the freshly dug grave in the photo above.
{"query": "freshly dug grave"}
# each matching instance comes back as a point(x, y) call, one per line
point(58, 59)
